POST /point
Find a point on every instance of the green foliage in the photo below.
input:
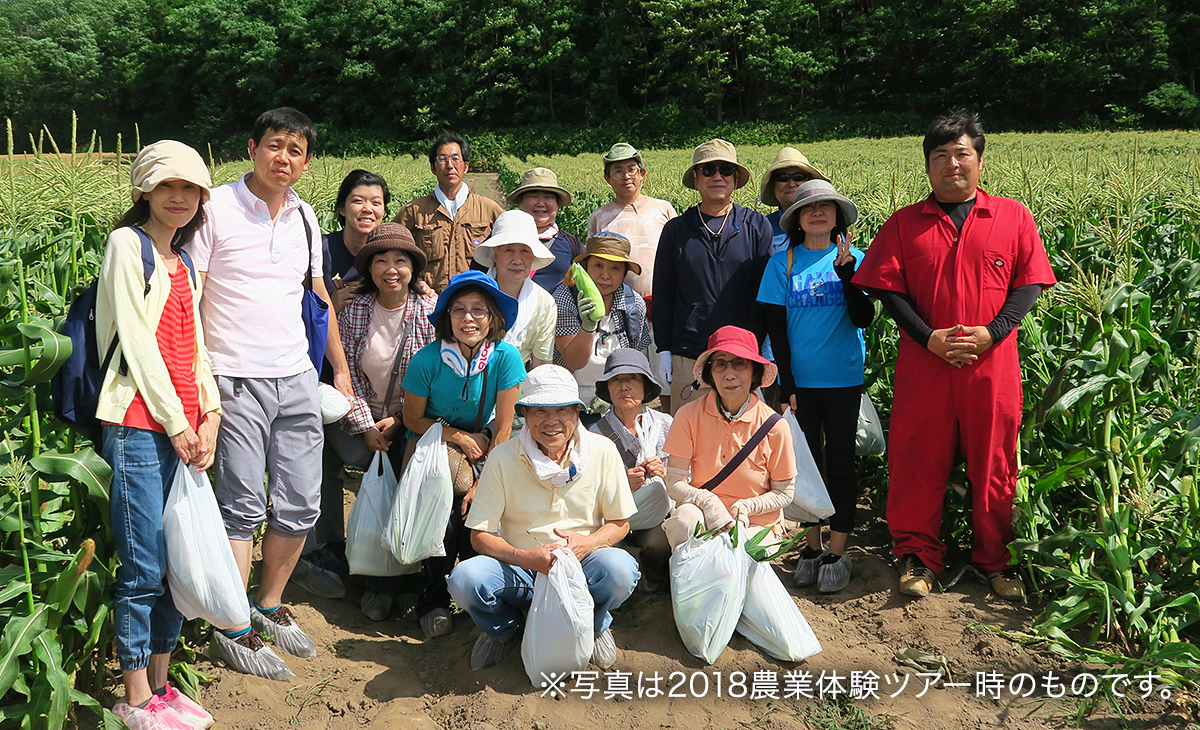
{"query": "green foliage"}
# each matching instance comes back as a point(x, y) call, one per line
point(381, 75)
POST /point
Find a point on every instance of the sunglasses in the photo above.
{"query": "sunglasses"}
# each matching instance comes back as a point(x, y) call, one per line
point(791, 177)
point(709, 169)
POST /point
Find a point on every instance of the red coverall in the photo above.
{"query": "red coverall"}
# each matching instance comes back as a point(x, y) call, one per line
point(955, 279)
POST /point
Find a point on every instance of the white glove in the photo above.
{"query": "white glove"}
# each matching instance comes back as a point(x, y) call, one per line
point(664, 366)
point(587, 306)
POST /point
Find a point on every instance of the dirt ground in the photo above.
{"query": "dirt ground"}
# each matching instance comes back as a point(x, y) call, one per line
point(386, 675)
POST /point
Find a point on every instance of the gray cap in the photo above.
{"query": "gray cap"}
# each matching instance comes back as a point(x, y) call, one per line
point(623, 151)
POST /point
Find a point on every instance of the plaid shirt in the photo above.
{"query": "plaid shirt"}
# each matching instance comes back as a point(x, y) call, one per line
point(353, 323)
point(629, 443)
point(624, 302)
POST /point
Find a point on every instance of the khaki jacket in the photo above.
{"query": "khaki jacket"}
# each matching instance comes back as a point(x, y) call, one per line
point(448, 244)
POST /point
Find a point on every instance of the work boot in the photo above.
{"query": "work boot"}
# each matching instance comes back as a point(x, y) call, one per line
point(1007, 584)
point(915, 578)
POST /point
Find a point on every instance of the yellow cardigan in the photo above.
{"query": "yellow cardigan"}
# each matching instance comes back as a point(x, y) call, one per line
point(122, 307)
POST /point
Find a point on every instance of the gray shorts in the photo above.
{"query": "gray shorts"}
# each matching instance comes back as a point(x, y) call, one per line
point(270, 425)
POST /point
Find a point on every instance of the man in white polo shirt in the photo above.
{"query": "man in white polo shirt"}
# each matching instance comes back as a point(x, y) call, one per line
point(253, 250)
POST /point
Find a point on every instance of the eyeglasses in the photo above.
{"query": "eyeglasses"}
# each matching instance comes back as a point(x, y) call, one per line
point(791, 177)
point(452, 159)
point(475, 312)
point(738, 363)
point(709, 169)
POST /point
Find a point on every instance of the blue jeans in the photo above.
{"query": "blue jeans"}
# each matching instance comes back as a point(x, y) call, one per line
point(143, 464)
point(497, 595)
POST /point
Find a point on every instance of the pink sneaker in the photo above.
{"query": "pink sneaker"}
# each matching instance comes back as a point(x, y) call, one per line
point(188, 709)
point(155, 716)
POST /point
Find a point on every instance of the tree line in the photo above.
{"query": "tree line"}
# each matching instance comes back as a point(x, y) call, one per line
point(381, 75)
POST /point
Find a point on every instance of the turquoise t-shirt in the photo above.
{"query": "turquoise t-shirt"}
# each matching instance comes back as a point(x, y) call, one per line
point(827, 349)
point(427, 376)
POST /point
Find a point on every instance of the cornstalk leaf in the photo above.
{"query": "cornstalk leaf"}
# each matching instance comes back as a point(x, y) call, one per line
point(49, 652)
point(84, 466)
point(17, 641)
point(64, 588)
point(111, 721)
point(1088, 388)
point(12, 590)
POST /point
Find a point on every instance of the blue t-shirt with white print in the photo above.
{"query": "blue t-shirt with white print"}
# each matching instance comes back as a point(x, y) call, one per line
point(828, 351)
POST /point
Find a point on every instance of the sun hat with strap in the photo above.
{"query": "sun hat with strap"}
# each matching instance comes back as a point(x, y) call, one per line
point(540, 178)
point(787, 157)
point(715, 150)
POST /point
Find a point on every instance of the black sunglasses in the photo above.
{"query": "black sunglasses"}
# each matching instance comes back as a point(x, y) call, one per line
point(727, 169)
point(791, 177)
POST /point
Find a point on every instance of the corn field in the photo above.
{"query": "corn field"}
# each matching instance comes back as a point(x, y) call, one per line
point(1108, 513)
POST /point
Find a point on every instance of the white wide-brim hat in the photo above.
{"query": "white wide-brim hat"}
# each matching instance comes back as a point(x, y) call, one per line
point(549, 385)
point(514, 226)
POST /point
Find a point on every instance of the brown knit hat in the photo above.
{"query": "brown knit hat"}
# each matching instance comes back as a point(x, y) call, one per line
point(390, 237)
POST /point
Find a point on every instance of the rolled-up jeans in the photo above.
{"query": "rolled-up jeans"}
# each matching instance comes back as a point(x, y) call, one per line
point(497, 595)
point(146, 621)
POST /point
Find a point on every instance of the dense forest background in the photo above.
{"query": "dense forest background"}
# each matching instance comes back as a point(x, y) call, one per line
point(564, 76)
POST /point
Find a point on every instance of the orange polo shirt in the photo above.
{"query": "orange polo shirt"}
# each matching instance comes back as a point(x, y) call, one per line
point(701, 435)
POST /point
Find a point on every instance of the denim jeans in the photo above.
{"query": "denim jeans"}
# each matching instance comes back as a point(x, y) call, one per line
point(497, 595)
point(143, 464)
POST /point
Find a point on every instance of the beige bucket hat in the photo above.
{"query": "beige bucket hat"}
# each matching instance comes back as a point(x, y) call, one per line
point(715, 150)
point(514, 226)
point(168, 160)
point(787, 157)
point(540, 178)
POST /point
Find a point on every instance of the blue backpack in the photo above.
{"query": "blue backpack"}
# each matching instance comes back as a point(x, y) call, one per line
point(75, 388)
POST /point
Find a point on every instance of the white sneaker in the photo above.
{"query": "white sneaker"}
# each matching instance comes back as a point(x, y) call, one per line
point(281, 626)
point(248, 654)
point(154, 716)
point(604, 655)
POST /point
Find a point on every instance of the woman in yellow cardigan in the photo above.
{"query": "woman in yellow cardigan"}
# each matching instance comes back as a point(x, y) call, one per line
point(158, 405)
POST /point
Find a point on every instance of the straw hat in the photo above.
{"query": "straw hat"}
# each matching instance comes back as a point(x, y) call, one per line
point(787, 157)
point(811, 192)
point(390, 237)
point(715, 150)
point(168, 160)
point(548, 386)
point(739, 343)
point(540, 178)
point(611, 246)
point(514, 226)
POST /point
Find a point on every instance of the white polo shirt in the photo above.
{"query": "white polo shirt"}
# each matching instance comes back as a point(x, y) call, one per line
point(254, 282)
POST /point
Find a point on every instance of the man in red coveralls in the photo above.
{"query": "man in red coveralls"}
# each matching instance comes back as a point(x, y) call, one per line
point(957, 271)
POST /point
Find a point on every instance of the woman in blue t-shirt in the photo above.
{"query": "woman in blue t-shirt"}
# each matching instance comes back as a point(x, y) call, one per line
point(467, 380)
point(815, 318)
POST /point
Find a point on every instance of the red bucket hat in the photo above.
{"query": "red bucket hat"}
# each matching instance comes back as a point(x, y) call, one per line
point(739, 343)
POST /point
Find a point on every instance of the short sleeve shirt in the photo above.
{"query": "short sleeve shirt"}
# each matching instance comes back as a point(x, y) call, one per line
point(513, 503)
point(254, 282)
point(702, 436)
point(828, 351)
point(454, 399)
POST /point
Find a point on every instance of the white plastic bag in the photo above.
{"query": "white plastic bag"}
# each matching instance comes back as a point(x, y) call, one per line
point(811, 502)
point(365, 549)
point(772, 621)
point(559, 631)
point(204, 578)
point(868, 439)
point(653, 504)
point(708, 590)
point(417, 522)
point(651, 499)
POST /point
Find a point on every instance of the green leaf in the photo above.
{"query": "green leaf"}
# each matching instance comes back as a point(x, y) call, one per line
point(16, 642)
point(12, 590)
point(49, 653)
point(84, 466)
point(54, 351)
point(111, 721)
point(68, 581)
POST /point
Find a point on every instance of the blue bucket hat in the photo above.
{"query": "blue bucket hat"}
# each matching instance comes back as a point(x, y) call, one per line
point(506, 304)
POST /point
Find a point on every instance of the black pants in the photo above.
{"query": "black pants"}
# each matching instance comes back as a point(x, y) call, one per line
point(833, 411)
point(457, 542)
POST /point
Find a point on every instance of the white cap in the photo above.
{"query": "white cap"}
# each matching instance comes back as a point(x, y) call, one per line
point(549, 385)
point(334, 405)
